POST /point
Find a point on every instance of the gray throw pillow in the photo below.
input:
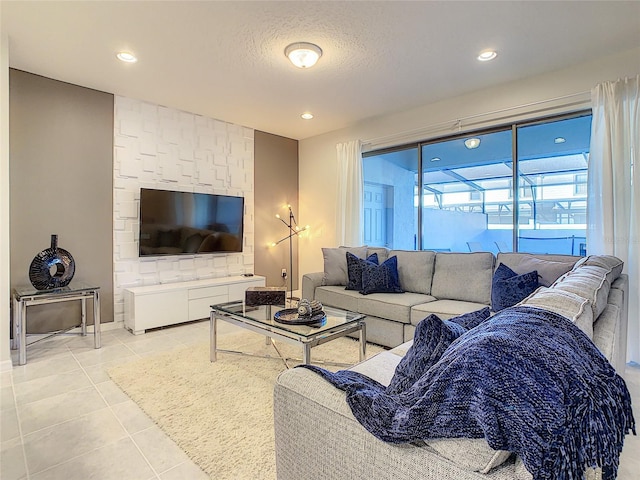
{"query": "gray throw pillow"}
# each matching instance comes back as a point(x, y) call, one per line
point(335, 264)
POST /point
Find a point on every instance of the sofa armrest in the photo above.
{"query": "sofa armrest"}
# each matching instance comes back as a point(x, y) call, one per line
point(619, 296)
point(309, 283)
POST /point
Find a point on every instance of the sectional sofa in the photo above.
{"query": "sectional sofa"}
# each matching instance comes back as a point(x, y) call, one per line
point(317, 436)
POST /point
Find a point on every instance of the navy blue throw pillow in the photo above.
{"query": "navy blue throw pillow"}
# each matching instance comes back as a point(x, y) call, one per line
point(509, 288)
point(431, 338)
point(381, 278)
point(472, 319)
point(354, 269)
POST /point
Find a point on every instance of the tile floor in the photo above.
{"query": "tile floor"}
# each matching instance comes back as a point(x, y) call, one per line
point(63, 418)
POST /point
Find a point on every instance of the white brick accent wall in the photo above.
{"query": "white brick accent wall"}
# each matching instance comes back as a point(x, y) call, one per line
point(160, 147)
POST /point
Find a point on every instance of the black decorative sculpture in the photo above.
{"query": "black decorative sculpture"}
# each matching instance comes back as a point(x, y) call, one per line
point(52, 268)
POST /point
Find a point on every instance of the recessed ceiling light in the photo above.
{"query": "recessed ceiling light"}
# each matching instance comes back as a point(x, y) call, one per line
point(127, 57)
point(487, 55)
point(472, 143)
point(559, 140)
point(303, 54)
point(307, 116)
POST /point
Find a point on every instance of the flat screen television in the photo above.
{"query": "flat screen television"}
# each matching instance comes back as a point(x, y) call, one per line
point(186, 223)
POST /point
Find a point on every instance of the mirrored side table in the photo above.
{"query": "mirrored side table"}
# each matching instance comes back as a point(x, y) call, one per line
point(26, 296)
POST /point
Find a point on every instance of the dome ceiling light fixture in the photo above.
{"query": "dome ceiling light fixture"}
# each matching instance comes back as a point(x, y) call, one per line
point(126, 57)
point(303, 54)
point(487, 55)
point(472, 143)
point(559, 140)
point(307, 115)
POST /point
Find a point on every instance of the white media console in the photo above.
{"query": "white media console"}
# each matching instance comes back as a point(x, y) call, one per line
point(153, 306)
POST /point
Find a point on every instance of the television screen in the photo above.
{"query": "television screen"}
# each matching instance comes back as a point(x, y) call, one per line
point(185, 223)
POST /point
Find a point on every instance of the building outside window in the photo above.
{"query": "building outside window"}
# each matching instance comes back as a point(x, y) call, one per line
point(453, 195)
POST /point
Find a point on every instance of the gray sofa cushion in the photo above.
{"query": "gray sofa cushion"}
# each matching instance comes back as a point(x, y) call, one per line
point(444, 309)
point(549, 269)
point(337, 296)
point(415, 269)
point(335, 264)
point(463, 276)
point(392, 306)
point(380, 367)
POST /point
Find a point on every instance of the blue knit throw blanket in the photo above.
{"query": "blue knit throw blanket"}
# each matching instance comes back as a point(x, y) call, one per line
point(527, 380)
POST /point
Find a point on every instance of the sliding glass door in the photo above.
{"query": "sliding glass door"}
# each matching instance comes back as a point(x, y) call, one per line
point(390, 182)
point(521, 187)
point(467, 193)
point(552, 186)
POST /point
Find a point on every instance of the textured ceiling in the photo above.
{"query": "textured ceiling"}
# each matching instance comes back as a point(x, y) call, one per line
point(226, 59)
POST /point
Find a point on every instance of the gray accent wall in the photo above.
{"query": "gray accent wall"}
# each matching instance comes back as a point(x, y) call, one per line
point(61, 182)
point(276, 185)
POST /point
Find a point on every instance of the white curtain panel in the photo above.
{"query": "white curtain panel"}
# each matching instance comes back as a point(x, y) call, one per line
point(613, 206)
point(349, 223)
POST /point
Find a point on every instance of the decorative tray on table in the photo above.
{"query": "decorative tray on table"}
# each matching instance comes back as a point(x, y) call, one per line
point(290, 316)
point(307, 313)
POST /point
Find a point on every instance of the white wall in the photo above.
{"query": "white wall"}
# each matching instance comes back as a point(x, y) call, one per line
point(317, 156)
point(5, 353)
point(164, 148)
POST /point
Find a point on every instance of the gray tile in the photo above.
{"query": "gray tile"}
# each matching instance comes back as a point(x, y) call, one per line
point(43, 387)
point(103, 355)
point(44, 367)
point(126, 337)
point(161, 452)
point(41, 352)
point(120, 460)
point(59, 443)
point(186, 470)
point(58, 342)
point(60, 408)
point(132, 416)
point(5, 379)
point(9, 428)
point(7, 399)
point(12, 464)
point(81, 344)
point(112, 393)
point(98, 373)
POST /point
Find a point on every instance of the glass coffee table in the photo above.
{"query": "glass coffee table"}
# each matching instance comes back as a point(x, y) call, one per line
point(339, 323)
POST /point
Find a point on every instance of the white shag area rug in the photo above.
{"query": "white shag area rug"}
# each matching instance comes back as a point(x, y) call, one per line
point(221, 413)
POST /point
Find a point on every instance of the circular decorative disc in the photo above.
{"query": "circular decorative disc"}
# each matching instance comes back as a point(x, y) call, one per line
point(52, 268)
